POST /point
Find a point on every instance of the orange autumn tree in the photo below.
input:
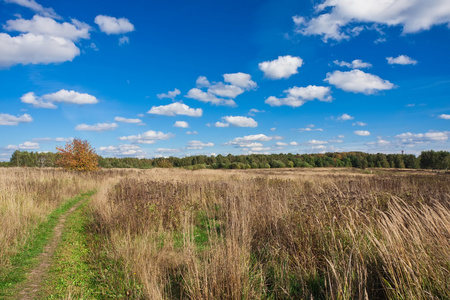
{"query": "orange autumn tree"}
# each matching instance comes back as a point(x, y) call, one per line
point(78, 155)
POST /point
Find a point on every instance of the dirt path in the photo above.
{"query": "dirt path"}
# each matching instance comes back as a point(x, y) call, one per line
point(29, 289)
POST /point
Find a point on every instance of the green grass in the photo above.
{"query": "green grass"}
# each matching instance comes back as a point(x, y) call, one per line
point(26, 259)
point(81, 271)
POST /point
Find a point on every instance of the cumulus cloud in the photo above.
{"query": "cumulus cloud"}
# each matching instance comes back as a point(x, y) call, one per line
point(167, 150)
point(421, 138)
point(111, 25)
point(170, 94)
point(191, 132)
point(30, 98)
point(359, 124)
point(225, 90)
point(148, 137)
point(30, 48)
point(251, 140)
point(237, 121)
point(341, 19)
point(181, 124)
point(125, 120)
point(362, 132)
point(241, 80)
point(10, 120)
point(47, 26)
point(24, 146)
point(253, 111)
point(444, 116)
point(282, 67)
point(62, 96)
point(401, 60)
point(310, 127)
point(355, 64)
point(198, 145)
point(293, 143)
point(202, 96)
point(174, 109)
point(36, 7)
point(297, 96)
point(99, 127)
point(357, 81)
point(316, 142)
point(281, 144)
point(345, 117)
point(124, 150)
point(202, 82)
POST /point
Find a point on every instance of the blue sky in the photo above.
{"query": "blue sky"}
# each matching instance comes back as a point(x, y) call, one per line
point(161, 78)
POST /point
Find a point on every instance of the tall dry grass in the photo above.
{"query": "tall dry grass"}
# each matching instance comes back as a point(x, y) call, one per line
point(28, 195)
point(278, 234)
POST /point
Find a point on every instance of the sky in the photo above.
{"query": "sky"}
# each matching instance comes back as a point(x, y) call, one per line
point(174, 78)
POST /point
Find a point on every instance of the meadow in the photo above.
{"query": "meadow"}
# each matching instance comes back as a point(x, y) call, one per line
point(324, 233)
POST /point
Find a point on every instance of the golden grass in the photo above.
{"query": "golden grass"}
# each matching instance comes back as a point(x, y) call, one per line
point(279, 234)
point(252, 234)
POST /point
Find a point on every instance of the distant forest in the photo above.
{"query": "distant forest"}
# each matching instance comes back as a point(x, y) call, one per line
point(427, 160)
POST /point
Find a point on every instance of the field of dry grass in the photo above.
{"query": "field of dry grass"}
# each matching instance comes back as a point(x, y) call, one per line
point(249, 234)
point(277, 234)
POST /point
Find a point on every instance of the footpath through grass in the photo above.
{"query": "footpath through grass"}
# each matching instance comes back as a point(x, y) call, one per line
point(80, 270)
point(26, 259)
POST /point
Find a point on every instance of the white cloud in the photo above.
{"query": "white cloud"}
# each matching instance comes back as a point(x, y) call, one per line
point(273, 129)
point(46, 26)
point(30, 98)
point(174, 109)
point(125, 120)
point(148, 137)
point(345, 117)
point(170, 94)
point(9, 120)
point(297, 96)
point(293, 143)
point(65, 96)
point(361, 132)
point(401, 60)
point(202, 82)
point(310, 127)
point(355, 64)
point(111, 25)
point(241, 80)
point(237, 121)
point(359, 124)
point(339, 18)
point(247, 141)
point(253, 111)
point(191, 132)
point(124, 40)
point(167, 150)
point(35, 49)
point(281, 144)
point(225, 90)
point(24, 146)
point(202, 96)
point(36, 7)
point(221, 124)
point(198, 145)
point(421, 138)
point(99, 127)
point(316, 142)
point(181, 124)
point(124, 150)
point(444, 116)
point(358, 81)
point(282, 67)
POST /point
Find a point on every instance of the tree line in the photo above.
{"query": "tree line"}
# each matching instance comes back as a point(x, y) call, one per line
point(427, 160)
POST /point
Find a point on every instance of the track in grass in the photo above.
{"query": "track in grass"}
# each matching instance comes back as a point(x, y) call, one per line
point(28, 288)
